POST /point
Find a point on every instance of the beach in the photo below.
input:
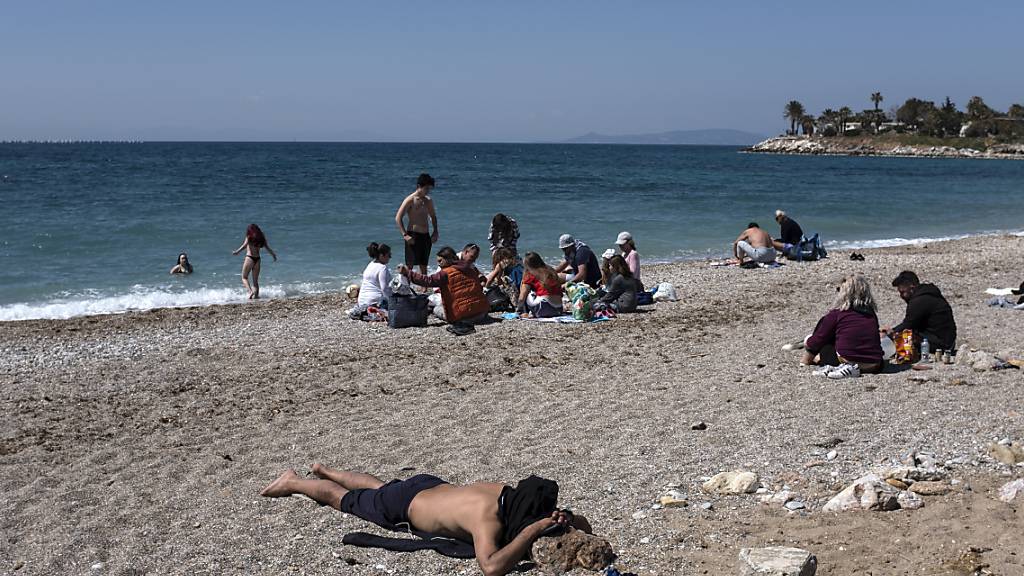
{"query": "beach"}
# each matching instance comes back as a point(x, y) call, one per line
point(138, 443)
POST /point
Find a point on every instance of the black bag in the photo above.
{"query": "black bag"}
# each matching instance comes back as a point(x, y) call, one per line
point(408, 311)
point(498, 300)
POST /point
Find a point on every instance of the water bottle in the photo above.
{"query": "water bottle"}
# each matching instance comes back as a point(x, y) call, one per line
point(925, 350)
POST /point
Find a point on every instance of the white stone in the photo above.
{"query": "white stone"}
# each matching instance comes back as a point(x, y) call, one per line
point(1010, 490)
point(777, 561)
point(735, 482)
point(866, 493)
point(909, 500)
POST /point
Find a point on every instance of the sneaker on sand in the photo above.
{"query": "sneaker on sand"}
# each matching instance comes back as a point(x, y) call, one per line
point(845, 371)
point(824, 370)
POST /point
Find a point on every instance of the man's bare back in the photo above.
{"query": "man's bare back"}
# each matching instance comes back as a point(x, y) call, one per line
point(463, 512)
point(756, 237)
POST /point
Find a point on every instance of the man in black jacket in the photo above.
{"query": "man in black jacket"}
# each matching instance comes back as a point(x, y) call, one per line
point(928, 313)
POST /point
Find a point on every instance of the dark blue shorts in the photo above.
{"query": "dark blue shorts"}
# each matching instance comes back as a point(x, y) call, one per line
point(388, 506)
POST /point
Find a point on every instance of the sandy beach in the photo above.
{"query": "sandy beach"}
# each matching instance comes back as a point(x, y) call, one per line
point(138, 443)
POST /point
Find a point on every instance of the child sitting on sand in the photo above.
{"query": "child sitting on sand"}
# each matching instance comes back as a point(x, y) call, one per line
point(845, 342)
point(254, 241)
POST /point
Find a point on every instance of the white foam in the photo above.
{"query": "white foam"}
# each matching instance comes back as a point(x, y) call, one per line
point(144, 298)
point(889, 242)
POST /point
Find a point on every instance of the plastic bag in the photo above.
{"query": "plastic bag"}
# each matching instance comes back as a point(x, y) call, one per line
point(665, 293)
point(400, 285)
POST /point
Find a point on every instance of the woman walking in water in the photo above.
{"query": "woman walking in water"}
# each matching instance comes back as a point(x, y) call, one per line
point(254, 240)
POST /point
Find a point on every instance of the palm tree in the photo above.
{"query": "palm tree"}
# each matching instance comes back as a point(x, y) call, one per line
point(794, 111)
point(807, 124)
point(844, 113)
point(876, 97)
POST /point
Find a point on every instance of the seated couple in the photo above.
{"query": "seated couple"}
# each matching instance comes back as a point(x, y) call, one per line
point(493, 522)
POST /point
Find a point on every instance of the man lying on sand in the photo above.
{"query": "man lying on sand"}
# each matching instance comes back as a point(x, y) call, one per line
point(501, 522)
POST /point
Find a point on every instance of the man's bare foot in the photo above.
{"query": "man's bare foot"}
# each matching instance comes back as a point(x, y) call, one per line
point(280, 487)
point(318, 470)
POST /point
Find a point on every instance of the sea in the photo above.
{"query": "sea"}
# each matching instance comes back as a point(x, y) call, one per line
point(94, 228)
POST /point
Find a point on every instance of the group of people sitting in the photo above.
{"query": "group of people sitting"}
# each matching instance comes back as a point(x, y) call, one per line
point(848, 340)
point(528, 284)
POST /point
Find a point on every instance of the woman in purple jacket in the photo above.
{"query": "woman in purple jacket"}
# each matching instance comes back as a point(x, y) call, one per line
point(845, 342)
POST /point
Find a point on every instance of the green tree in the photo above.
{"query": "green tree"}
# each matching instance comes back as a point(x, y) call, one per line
point(978, 110)
point(827, 122)
point(794, 111)
point(876, 98)
point(950, 119)
point(1015, 111)
point(844, 114)
point(913, 111)
point(807, 124)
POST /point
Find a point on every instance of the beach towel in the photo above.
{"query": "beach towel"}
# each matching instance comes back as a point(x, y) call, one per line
point(450, 547)
point(566, 319)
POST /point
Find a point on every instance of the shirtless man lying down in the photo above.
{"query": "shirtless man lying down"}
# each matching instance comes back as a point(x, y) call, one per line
point(501, 522)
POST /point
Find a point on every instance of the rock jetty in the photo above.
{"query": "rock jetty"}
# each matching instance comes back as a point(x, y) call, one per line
point(836, 147)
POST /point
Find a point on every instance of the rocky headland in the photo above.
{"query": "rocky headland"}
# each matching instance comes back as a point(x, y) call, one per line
point(842, 146)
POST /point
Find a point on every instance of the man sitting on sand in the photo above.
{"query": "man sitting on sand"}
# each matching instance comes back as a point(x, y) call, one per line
point(501, 522)
point(790, 234)
point(579, 259)
point(419, 208)
point(754, 244)
point(461, 284)
point(928, 315)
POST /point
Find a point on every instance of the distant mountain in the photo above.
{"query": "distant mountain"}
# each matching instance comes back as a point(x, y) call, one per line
point(714, 137)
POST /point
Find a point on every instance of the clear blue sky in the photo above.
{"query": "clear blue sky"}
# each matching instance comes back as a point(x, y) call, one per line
point(482, 71)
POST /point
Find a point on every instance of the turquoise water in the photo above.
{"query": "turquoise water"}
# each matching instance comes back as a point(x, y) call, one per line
point(94, 228)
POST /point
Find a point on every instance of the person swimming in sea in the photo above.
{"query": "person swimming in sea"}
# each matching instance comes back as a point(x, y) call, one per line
point(183, 266)
point(254, 241)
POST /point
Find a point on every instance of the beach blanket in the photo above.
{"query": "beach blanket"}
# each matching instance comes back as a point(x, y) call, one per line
point(566, 319)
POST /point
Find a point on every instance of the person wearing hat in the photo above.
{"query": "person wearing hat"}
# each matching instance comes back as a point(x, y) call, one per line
point(790, 233)
point(580, 259)
point(628, 247)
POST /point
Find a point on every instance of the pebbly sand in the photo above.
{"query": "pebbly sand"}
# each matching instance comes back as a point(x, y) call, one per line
point(138, 443)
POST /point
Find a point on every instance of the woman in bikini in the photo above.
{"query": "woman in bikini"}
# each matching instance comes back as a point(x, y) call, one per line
point(254, 240)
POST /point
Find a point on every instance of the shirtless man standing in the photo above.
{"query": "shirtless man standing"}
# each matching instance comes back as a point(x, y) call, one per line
point(418, 207)
point(501, 522)
point(754, 244)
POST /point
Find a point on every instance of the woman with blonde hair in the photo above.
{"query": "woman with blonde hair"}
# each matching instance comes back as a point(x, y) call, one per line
point(845, 342)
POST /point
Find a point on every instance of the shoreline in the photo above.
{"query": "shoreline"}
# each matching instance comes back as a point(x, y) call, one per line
point(140, 441)
point(820, 146)
point(831, 245)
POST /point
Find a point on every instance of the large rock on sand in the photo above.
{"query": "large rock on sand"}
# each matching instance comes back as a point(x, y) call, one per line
point(777, 561)
point(574, 549)
point(735, 482)
point(1011, 453)
point(1011, 489)
point(866, 493)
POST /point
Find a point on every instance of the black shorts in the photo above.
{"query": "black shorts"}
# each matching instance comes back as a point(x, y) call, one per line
point(388, 506)
point(417, 252)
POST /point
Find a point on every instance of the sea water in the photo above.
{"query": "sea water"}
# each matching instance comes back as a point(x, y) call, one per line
point(95, 228)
